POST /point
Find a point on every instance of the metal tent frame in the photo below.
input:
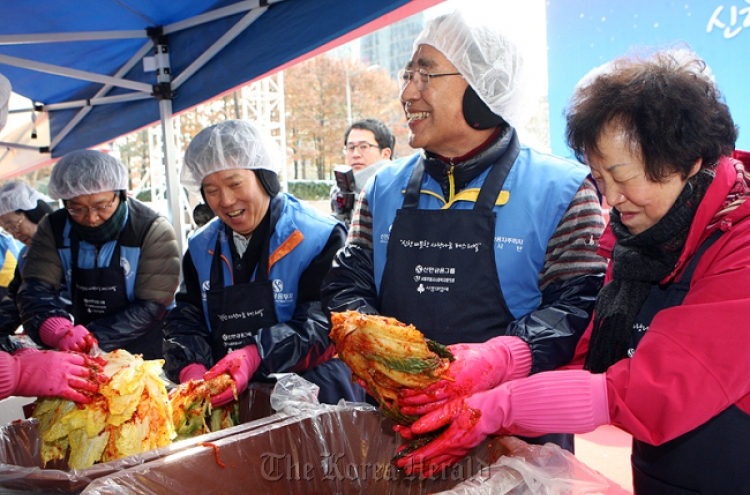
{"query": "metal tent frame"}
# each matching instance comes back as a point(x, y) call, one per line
point(84, 107)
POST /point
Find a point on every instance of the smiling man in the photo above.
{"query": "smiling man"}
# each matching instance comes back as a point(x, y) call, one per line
point(118, 258)
point(480, 241)
point(249, 304)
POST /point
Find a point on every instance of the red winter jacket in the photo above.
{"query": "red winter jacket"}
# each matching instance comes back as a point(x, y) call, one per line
point(694, 360)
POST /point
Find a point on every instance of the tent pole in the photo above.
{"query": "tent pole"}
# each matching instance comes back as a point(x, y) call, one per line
point(170, 165)
point(164, 94)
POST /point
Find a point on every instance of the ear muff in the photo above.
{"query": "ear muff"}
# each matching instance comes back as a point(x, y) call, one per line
point(269, 180)
point(477, 114)
point(36, 215)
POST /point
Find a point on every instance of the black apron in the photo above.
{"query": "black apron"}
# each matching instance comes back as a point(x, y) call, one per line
point(237, 312)
point(441, 274)
point(711, 459)
point(97, 292)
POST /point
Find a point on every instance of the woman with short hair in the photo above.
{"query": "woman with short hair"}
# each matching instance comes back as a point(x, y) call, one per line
point(21, 209)
point(666, 356)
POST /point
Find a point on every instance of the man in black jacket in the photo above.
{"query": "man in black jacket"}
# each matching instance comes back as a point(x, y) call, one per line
point(249, 304)
point(118, 258)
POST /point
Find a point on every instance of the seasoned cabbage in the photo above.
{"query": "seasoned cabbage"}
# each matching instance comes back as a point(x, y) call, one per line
point(130, 414)
point(387, 355)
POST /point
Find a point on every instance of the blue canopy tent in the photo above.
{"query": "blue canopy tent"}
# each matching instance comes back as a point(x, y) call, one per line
point(102, 68)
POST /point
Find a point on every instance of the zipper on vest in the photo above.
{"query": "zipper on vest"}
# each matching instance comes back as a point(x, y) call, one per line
point(451, 183)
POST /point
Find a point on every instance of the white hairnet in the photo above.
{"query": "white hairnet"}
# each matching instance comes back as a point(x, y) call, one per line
point(229, 145)
point(19, 196)
point(86, 172)
point(4, 100)
point(489, 62)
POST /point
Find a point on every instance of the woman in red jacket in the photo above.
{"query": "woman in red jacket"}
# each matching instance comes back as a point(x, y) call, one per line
point(667, 356)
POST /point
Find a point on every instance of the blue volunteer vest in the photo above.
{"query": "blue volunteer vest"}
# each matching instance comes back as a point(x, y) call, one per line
point(22, 258)
point(138, 221)
point(88, 258)
point(290, 256)
point(10, 257)
point(534, 197)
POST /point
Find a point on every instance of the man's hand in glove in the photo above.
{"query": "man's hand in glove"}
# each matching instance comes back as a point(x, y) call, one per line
point(241, 365)
point(60, 333)
point(193, 371)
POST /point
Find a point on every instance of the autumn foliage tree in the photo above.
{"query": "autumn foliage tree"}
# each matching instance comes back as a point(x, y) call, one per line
point(316, 111)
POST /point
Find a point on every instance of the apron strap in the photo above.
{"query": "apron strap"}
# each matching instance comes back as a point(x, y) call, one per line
point(262, 271)
point(491, 189)
point(411, 198)
point(493, 185)
point(216, 275)
point(687, 275)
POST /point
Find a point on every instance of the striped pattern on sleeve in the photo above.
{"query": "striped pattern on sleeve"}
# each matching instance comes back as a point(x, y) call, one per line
point(571, 251)
point(360, 231)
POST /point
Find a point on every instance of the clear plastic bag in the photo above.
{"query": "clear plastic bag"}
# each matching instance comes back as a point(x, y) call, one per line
point(532, 470)
point(293, 394)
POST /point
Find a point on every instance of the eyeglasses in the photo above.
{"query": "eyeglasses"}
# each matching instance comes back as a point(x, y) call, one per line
point(80, 212)
point(419, 77)
point(362, 147)
point(12, 226)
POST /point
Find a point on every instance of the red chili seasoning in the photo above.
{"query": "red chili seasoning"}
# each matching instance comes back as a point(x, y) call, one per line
point(216, 452)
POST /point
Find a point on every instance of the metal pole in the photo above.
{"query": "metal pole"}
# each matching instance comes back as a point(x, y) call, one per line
point(282, 130)
point(170, 165)
point(169, 143)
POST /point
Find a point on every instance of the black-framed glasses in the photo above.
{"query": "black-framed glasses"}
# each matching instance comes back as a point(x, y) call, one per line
point(12, 226)
point(80, 212)
point(419, 77)
point(362, 147)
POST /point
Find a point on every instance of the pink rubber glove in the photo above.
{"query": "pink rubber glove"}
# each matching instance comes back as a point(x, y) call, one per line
point(60, 333)
point(476, 367)
point(60, 374)
point(572, 401)
point(194, 371)
point(25, 350)
point(241, 365)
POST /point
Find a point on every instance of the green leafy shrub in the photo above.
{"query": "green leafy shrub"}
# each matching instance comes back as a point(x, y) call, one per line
point(310, 190)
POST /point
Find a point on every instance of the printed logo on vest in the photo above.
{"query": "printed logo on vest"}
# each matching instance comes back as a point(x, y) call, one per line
point(125, 265)
point(515, 242)
point(279, 296)
point(385, 237)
